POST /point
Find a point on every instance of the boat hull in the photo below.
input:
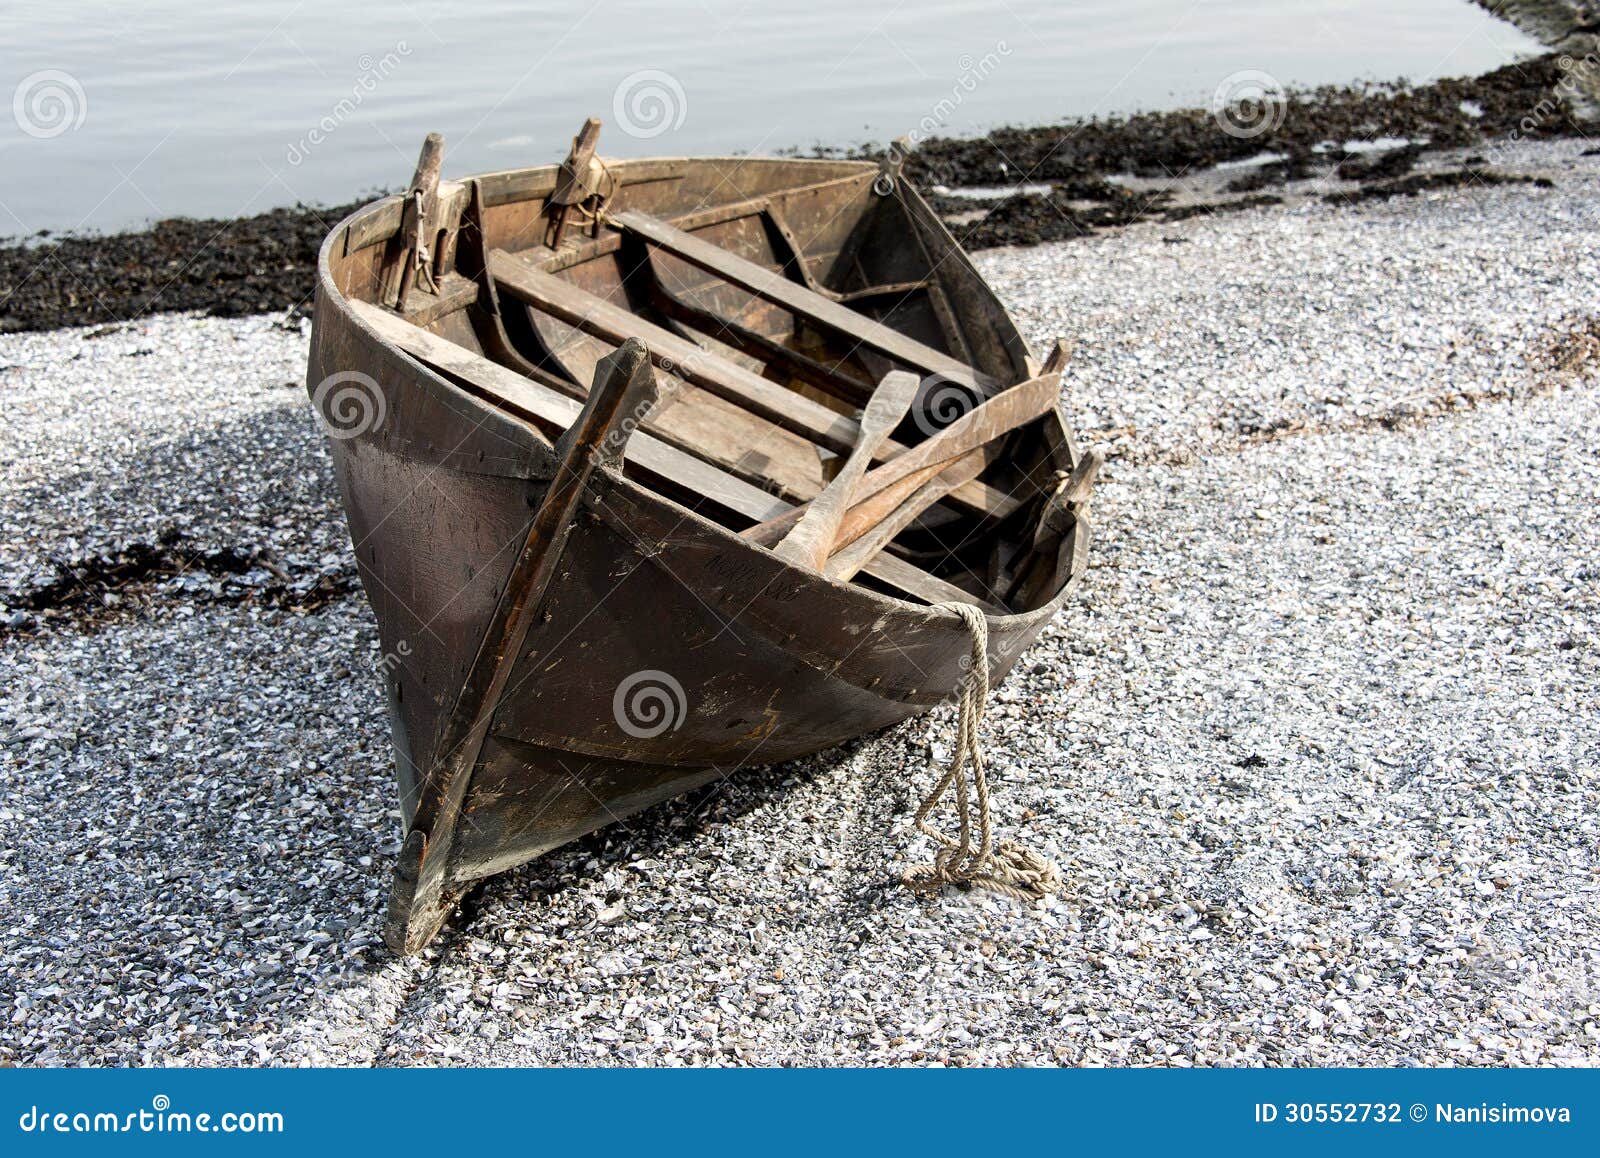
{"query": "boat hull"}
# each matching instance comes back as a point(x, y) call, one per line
point(669, 652)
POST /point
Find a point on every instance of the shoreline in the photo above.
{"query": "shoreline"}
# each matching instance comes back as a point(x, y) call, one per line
point(1100, 174)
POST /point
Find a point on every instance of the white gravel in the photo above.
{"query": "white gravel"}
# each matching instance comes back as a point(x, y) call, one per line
point(1316, 746)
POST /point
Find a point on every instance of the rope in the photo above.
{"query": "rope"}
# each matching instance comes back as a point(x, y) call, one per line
point(1006, 868)
point(598, 215)
point(420, 256)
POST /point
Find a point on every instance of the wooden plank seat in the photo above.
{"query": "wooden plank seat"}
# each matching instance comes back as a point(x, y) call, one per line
point(834, 379)
point(772, 286)
point(525, 281)
point(552, 412)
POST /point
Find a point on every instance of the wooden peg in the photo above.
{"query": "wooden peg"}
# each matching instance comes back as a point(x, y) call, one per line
point(581, 178)
point(408, 251)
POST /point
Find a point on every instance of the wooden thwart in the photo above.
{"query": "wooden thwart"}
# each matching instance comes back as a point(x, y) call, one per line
point(610, 322)
point(834, 379)
point(801, 301)
point(549, 411)
point(694, 420)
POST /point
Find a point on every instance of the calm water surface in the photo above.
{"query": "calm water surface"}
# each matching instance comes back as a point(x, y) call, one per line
point(124, 112)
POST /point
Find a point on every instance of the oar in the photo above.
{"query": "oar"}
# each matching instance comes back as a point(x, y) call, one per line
point(809, 543)
point(867, 513)
point(856, 555)
point(1013, 407)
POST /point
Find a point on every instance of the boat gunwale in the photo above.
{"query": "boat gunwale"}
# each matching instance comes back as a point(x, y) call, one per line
point(874, 602)
point(508, 186)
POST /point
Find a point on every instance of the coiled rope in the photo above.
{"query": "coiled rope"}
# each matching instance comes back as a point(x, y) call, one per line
point(1006, 868)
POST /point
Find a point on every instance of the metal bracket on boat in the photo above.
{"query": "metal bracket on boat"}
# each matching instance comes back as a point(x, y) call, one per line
point(583, 186)
point(424, 246)
point(894, 159)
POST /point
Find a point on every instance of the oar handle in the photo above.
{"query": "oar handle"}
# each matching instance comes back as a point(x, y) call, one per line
point(811, 540)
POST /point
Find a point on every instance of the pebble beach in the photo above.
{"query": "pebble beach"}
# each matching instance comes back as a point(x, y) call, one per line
point(1316, 745)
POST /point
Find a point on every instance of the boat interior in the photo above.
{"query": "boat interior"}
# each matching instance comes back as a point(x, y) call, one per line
point(777, 299)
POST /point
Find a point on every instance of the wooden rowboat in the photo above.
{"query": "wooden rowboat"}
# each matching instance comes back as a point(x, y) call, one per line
point(660, 468)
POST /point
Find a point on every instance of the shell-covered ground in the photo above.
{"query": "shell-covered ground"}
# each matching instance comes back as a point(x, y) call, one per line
point(1316, 745)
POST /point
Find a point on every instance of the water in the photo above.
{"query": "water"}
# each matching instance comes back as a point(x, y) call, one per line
point(127, 112)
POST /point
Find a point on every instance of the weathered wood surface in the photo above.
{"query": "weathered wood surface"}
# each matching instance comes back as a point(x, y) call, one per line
point(408, 250)
point(803, 302)
point(835, 379)
point(854, 555)
point(691, 419)
point(685, 416)
point(873, 509)
point(784, 660)
point(1060, 540)
point(552, 411)
point(809, 543)
point(525, 281)
point(988, 421)
point(624, 386)
point(455, 293)
point(606, 320)
point(575, 182)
